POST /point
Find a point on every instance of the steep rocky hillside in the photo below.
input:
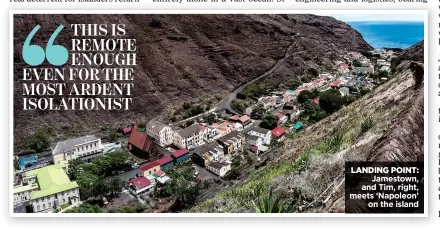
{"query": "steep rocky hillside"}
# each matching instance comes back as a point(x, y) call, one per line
point(307, 173)
point(187, 58)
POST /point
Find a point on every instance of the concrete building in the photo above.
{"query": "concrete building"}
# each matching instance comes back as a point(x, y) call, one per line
point(161, 133)
point(207, 153)
point(232, 143)
point(150, 169)
point(140, 185)
point(253, 140)
point(86, 147)
point(23, 193)
point(189, 138)
point(344, 91)
point(265, 134)
point(54, 188)
point(220, 169)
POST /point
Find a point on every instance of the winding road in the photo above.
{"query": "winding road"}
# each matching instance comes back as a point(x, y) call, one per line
point(226, 102)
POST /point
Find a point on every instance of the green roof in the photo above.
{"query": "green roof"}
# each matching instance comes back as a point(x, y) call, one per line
point(290, 91)
point(51, 179)
point(25, 188)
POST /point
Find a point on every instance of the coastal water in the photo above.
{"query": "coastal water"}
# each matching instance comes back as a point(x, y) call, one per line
point(381, 34)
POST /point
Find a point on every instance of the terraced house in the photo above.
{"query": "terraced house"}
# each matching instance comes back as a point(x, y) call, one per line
point(207, 153)
point(161, 133)
point(232, 143)
point(86, 147)
point(189, 138)
point(48, 188)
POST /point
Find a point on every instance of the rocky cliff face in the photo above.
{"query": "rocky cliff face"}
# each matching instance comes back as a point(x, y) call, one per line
point(307, 173)
point(187, 58)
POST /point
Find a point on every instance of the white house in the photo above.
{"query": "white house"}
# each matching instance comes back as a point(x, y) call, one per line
point(220, 169)
point(262, 133)
point(86, 147)
point(208, 132)
point(344, 91)
point(161, 133)
point(189, 138)
point(253, 140)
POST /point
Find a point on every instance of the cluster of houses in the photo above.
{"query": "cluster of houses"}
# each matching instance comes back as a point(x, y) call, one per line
point(212, 146)
point(153, 173)
point(345, 77)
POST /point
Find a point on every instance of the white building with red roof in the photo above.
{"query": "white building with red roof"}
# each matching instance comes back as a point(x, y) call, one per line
point(140, 185)
point(278, 133)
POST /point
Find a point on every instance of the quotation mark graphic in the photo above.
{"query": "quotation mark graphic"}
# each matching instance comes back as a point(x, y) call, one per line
point(34, 55)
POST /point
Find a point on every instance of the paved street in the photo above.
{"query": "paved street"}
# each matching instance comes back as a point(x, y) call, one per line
point(204, 173)
point(127, 175)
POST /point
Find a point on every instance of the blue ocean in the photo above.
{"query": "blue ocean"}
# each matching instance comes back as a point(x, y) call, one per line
point(380, 34)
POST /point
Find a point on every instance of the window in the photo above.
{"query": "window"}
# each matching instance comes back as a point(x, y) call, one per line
point(149, 172)
point(44, 206)
point(49, 204)
point(154, 170)
point(38, 207)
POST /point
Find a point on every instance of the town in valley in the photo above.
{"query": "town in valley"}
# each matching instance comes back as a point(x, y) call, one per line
point(170, 165)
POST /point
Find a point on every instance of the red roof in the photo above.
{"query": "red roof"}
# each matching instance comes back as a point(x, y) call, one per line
point(253, 147)
point(343, 65)
point(278, 132)
point(244, 118)
point(127, 130)
point(149, 166)
point(180, 152)
point(280, 115)
point(234, 118)
point(335, 83)
point(160, 173)
point(203, 128)
point(139, 182)
point(316, 100)
point(164, 160)
point(140, 140)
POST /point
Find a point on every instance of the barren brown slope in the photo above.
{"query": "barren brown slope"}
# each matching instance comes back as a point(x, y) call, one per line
point(307, 173)
point(186, 57)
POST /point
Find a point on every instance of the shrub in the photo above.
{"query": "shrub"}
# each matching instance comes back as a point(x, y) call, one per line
point(356, 63)
point(39, 142)
point(331, 101)
point(367, 124)
point(313, 72)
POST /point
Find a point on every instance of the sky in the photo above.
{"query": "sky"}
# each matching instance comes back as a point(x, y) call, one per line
point(367, 16)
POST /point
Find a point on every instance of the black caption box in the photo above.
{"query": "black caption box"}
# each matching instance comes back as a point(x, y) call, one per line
point(384, 187)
